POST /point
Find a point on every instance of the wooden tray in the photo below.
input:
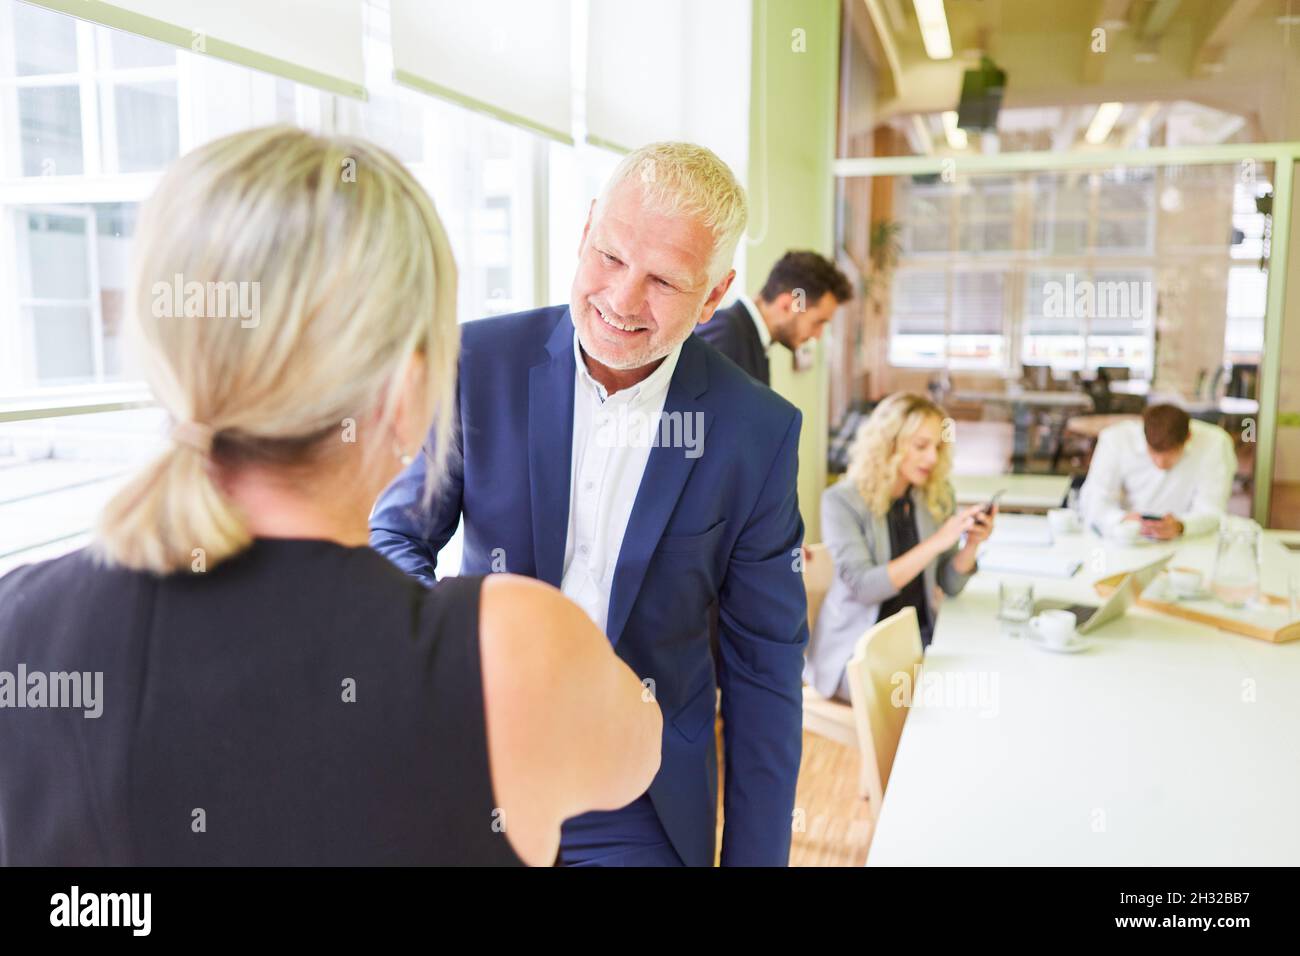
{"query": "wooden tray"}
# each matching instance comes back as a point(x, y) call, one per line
point(1277, 635)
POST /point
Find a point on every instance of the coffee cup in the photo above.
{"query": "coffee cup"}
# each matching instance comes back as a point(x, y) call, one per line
point(1054, 628)
point(1185, 581)
point(1063, 521)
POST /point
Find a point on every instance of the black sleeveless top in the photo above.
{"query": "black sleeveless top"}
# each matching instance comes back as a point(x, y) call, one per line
point(304, 703)
point(903, 537)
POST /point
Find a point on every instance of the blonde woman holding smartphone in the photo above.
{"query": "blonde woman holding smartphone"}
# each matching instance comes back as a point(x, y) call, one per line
point(893, 533)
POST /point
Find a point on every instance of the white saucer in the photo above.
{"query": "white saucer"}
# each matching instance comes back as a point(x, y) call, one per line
point(1074, 647)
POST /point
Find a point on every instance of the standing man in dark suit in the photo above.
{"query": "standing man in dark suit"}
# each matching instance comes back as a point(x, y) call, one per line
point(801, 294)
point(654, 531)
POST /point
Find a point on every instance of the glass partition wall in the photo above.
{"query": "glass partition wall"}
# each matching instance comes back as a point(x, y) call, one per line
point(1041, 294)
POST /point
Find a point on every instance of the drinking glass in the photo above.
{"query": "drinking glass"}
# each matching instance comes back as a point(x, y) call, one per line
point(1015, 605)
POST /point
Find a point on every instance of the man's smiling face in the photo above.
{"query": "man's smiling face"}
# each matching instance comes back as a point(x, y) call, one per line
point(642, 283)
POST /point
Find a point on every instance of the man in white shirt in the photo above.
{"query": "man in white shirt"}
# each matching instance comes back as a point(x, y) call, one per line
point(612, 435)
point(1170, 473)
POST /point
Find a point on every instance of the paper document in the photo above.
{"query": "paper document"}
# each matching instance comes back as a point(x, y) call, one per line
point(1034, 561)
point(1022, 530)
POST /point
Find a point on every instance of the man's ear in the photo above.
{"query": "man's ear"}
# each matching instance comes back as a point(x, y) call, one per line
point(586, 227)
point(716, 295)
point(784, 303)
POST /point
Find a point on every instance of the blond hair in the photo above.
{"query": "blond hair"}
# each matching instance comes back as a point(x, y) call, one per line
point(354, 277)
point(683, 178)
point(878, 449)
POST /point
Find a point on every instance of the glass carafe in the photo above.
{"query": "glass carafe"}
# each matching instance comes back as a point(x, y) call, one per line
point(1237, 562)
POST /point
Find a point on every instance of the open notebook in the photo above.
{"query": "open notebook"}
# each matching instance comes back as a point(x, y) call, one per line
point(1020, 531)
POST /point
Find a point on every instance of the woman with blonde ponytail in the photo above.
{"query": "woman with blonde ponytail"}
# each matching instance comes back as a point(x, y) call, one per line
point(241, 657)
point(892, 534)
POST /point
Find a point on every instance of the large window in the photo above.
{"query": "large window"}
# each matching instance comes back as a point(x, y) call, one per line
point(89, 118)
point(481, 173)
point(1070, 268)
point(950, 297)
point(1083, 318)
point(948, 316)
point(72, 272)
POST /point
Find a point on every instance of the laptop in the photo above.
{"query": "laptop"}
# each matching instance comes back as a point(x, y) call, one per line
point(1089, 617)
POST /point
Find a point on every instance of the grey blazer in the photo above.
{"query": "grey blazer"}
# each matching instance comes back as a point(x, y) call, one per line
point(858, 543)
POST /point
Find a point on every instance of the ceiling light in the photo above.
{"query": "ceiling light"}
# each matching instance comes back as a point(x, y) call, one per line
point(934, 29)
point(955, 135)
point(1101, 125)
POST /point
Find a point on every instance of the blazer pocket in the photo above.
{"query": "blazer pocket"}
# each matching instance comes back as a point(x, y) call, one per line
point(691, 542)
point(697, 713)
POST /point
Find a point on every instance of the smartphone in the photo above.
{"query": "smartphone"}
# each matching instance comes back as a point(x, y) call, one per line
point(988, 508)
point(1153, 517)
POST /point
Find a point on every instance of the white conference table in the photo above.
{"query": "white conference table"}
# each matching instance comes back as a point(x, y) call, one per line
point(1166, 743)
point(1023, 492)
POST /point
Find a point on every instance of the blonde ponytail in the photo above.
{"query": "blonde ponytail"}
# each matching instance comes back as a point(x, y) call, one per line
point(171, 516)
point(349, 273)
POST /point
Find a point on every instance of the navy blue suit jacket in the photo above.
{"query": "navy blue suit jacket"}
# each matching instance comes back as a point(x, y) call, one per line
point(732, 332)
point(716, 532)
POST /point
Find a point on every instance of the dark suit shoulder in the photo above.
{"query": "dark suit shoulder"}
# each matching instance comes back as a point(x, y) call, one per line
point(734, 385)
point(732, 332)
point(724, 328)
point(521, 330)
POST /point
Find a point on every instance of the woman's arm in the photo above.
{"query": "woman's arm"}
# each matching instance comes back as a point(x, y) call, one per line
point(851, 555)
point(936, 547)
point(909, 564)
point(956, 565)
point(570, 726)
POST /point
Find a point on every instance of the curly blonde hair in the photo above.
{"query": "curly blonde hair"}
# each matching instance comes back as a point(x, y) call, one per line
point(878, 447)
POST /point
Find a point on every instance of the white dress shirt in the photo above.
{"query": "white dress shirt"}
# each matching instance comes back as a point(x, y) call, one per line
point(1123, 478)
point(612, 437)
point(764, 335)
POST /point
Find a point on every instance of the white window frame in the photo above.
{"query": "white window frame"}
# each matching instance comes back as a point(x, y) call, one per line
point(1018, 265)
point(100, 182)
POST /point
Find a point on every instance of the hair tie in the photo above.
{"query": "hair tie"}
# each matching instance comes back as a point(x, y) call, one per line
point(195, 435)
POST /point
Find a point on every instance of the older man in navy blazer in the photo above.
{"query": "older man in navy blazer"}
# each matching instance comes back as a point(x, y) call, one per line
point(606, 450)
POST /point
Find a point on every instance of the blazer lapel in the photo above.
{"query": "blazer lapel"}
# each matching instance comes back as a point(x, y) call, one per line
point(665, 476)
point(550, 450)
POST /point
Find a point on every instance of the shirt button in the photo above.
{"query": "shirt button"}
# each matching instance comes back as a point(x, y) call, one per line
point(590, 485)
point(582, 549)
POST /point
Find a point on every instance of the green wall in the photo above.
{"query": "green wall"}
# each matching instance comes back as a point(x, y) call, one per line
point(793, 97)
